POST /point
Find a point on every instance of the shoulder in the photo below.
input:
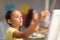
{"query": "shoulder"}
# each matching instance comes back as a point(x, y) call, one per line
point(10, 30)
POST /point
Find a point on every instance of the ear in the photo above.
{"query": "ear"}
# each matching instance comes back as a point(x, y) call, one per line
point(9, 21)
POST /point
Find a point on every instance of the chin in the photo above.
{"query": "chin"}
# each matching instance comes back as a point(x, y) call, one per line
point(20, 24)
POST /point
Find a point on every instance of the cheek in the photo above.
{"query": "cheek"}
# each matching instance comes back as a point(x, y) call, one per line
point(14, 21)
point(36, 17)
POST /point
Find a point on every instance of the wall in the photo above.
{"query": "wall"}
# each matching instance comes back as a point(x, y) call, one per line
point(36, 4)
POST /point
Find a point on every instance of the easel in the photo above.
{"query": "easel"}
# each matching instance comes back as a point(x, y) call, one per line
point(54, 27)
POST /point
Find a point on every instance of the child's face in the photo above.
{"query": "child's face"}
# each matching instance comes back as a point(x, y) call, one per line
point(35, 14)
point(16, 18)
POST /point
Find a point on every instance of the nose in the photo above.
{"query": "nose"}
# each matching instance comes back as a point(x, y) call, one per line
point(21, 19)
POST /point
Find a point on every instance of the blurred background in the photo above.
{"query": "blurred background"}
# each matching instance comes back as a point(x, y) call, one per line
point(23, 6)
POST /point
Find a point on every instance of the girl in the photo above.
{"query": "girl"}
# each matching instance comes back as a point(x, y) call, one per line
point(30, 19)
point(14, 19)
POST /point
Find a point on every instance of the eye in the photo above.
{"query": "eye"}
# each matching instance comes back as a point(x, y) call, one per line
point(16, 16)
point(20, 16)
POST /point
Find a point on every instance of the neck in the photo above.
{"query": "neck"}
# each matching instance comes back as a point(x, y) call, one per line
point(16, 27)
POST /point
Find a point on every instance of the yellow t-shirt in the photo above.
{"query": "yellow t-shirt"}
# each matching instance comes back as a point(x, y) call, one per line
point(9, 34)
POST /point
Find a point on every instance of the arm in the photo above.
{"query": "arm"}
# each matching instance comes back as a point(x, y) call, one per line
point(31, 28)
point(28, 32)
point(43, 14)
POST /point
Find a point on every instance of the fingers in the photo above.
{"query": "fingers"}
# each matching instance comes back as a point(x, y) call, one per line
point(45, 13)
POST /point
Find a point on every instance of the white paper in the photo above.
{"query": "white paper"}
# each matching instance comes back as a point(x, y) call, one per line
point(54, 26)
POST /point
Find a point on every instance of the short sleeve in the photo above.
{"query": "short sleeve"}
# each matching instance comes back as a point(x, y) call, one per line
point(9, 33)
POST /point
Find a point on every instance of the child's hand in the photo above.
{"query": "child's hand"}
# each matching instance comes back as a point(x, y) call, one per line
point(45, 13)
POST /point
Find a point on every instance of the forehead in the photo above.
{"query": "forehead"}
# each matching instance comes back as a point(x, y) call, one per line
point(35, 12)
point(16, 12)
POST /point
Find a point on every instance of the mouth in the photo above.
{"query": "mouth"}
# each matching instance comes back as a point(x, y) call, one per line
point(20, 21)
